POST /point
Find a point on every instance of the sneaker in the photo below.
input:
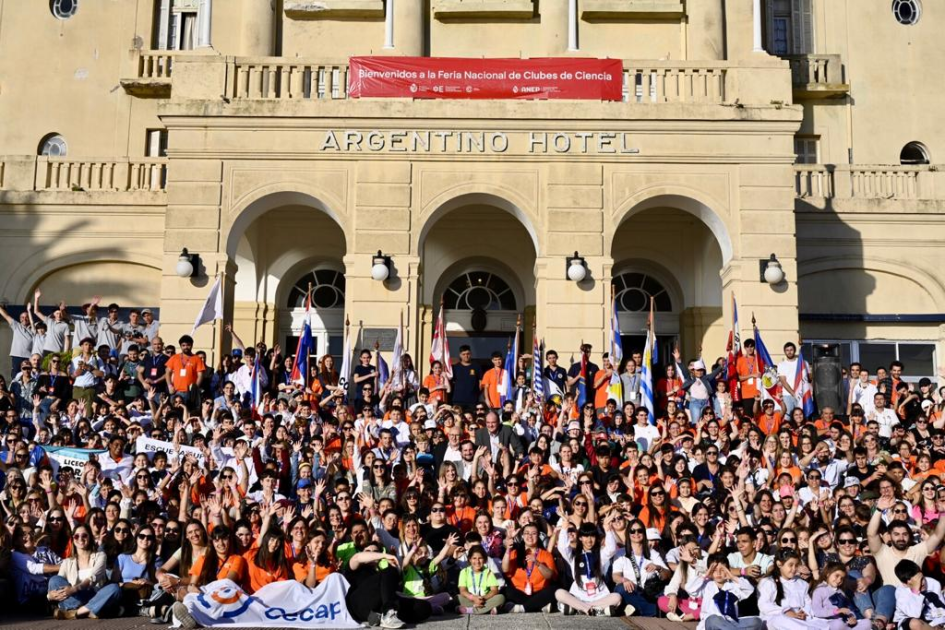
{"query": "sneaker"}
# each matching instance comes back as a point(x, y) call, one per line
point(391, 620)
point(602, 611)
point(494, 611)
point(61, 614)
point(466, 610)
point(187, 621)
point(546, 608)
point(517, 608)
point(628, 610)
point(565, 610)
point(373, 619)
point(675, 617)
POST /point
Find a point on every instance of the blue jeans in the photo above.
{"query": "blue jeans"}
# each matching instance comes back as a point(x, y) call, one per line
point(718, 622)
point(636, 599)
point(884, 601)
point(105, 599)
point(695, 409)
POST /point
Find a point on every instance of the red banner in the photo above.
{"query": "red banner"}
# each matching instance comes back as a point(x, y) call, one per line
point(451, 77)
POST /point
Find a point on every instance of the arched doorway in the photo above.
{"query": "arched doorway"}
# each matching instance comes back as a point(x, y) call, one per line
point(673, 248)
point(280, 243)
point(479, 257)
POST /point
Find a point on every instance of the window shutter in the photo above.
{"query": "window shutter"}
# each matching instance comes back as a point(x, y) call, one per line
point(164, 24)
point(802, 26)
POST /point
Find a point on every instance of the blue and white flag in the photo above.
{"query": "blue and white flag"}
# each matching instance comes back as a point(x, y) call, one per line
point(615, 387)
point(256, 386)
point(68, 457)
point(383, 370)
point(300, 370)
point(646, 376)
point(538, 381)
point(507, 391)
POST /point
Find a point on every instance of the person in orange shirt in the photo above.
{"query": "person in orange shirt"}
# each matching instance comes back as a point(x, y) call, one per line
point(767, 419)
point(601, 381)
point(185, 371)
point(437, 384)
point(492, 381)
point(221, 562)
point(749, 376)
point(267, 563)
point(317, 563)
point(461, 515)
point(530, 571)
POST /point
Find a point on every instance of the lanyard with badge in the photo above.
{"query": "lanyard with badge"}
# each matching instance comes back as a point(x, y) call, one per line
point(529, 569)
point(477, 584)
point(590, 584)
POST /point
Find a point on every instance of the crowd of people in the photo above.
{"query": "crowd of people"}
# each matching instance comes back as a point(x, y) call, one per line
point(437, 494)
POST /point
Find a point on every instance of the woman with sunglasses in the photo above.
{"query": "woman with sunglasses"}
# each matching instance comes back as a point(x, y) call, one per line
point(657, 509)
point(57, 533)
point(925, 509)
point(32, 566)
point(181, 569)
point(631, 572)
point(80, 590)
point(135, 572)
point(118, 541)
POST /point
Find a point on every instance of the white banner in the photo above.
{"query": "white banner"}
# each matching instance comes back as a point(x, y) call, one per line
point(150, 447)
point(67, 457)
point(288, 604)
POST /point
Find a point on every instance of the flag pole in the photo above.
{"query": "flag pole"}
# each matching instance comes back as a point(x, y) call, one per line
point(218, 332)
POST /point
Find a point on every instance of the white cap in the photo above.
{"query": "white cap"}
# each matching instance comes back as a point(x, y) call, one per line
point(429, 424)
point(653, 534)
point(699, 364)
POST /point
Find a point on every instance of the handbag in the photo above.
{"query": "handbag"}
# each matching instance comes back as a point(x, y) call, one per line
point(653, 587)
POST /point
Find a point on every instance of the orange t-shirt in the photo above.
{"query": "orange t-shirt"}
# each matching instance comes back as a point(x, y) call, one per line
point(184, 370)
point(520, 573)
point(601, 393)
point(430, 381)
point(463, 518)
point(745, 366)
point(769, 426)
point(490, 384)
point(234, 564)
point(300, 571)
point(258, 577)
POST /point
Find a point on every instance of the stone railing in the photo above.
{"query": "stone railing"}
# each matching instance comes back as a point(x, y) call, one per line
point(673, 82)
point(279, 78)
point(100, 175)
point(865, 181)
point(817, 74)
point(155, 64)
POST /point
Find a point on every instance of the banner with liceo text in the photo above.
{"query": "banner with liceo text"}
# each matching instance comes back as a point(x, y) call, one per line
point(288, 604)
point(452, 77)
point(67, 457)
point(149, 447)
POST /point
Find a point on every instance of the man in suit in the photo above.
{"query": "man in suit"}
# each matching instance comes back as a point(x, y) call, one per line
point(494, 435)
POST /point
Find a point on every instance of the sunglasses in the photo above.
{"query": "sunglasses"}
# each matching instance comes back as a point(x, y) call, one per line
point(437, 510)
point(343, 498)
point(711, 452)
point(145, 537)
point(56, 519)
point(787, 541)
point(122, 530)
point(637, 530)
point(899, 511)
point(658, 494)
point(580, 504)
point(847, 541)
point(227, 476)
point(80, 536)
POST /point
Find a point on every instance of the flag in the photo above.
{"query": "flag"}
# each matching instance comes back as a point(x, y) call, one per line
point(440, 349)
point(646, 373)
point(507, 388)
point(581, 386)
point(344, 376)
point(300, 370)
point(383, 371)
point(734, 349)
point(538, 380)
point(256, 389)
point(802, 389)
point(397, 361)
point(766, 366)
point(212, 307)
point(615, 387)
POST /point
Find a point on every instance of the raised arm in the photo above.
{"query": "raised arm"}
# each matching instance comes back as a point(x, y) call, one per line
point(6, 315)
point(36, 295)
point(236, 338)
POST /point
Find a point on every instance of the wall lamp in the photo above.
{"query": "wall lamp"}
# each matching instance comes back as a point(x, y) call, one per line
point(380, 267)
point(188, 265)
point(771, 271)
point(576, 268)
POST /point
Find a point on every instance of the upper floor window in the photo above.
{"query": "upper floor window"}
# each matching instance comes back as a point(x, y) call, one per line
point(806, 150)
point(790, 27)
point(914, 153)
point(64, 9)
point(328, 289)
point(633, 292)
point(907, 12)
point(479, 290)
point(53, 145)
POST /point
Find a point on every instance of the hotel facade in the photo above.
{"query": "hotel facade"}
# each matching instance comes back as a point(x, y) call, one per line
point(803, 129)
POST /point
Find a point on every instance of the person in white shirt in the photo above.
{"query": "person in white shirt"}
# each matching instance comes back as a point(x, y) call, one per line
point(691, 576)
point(862, 391)
point(886, 418)
point(721, 596)
point(243, 377)
point(788, 375)
point(919, 602)
point(644, 433)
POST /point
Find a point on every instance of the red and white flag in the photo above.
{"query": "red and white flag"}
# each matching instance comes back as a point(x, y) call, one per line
point(440, 350)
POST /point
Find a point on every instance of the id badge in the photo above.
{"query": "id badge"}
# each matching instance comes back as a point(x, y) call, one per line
point(590, 587)
point(183, 372)
point(528, 588)
point(693, 605)
point(153, 372)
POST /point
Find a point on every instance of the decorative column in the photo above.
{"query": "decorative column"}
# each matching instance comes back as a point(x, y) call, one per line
point(572, 25)
point(389, 24)
point(205, 16)
point(756, 17)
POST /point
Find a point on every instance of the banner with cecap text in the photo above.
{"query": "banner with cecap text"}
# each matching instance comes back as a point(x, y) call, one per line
point(452, 77)
point(288, 604)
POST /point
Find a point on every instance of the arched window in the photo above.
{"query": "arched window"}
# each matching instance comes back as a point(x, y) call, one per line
point(328, 290)
point(907, 12)
point(914, 153)
point(53, 145)
point(64, 9)
point(479, 290)
point(634, 290)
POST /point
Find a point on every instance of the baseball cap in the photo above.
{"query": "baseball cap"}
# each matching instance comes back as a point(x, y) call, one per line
point(429, 424)
point(574, 425)
point(699, 364)
point(850, 482)
point(146, 311)
point(304, 483)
